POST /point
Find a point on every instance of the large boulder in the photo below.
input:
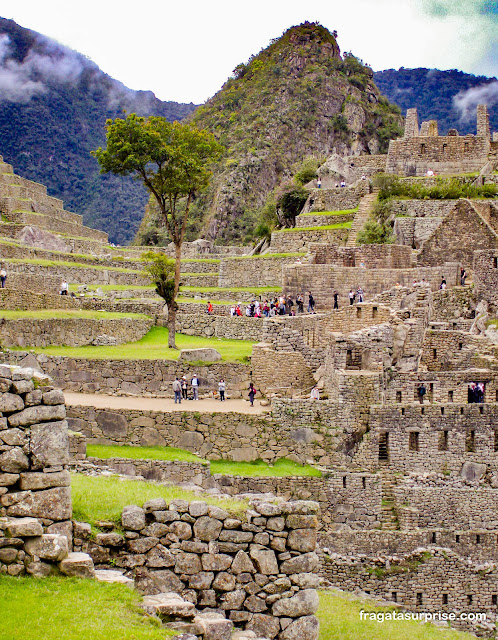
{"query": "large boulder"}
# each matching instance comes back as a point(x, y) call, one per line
point(35, 237)
point(199, 355)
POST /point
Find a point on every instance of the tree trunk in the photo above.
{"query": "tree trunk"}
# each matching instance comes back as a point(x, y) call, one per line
point(173, 306)
point(172, 325)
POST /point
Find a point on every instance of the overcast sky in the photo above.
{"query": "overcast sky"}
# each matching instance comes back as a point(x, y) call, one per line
point(184, 51)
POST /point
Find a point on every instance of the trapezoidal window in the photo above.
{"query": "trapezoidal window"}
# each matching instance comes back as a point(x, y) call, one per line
point(422, 149)
point(413, 441)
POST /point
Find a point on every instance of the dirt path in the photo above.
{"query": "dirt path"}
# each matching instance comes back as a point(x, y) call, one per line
point(101, 401)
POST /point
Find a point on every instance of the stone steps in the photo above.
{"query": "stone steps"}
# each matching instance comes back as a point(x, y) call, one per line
point(360, 218)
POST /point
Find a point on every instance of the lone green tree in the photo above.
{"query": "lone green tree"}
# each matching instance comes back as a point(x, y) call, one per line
point(172, 160)
point(161, 271)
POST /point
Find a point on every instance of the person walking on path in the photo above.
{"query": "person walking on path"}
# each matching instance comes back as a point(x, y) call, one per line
point(311, 303)
point(209, 309)
point(222, 387)
point(184, 386)
point(252, 393)
point(177, 388)
point(421, 393)
point(319, 183)
point(3, 276)
point(194, 383)
point(336, 300)
point(463, 275)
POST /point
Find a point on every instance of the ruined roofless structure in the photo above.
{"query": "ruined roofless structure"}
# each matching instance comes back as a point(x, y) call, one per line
point(421, 149)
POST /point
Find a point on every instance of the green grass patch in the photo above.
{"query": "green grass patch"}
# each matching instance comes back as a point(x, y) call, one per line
point(339, 615)
point(259, 468)
point(295, 254)
point(48, 314)
point(104, 497)
point(63, 263)
point(60, 608)
point(114, 287)
point(154, 346)
point(141, 453)
point(325, 227)
point(255, 290)
point(343, 212)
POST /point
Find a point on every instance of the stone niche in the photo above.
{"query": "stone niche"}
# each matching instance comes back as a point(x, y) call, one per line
point(35, 492)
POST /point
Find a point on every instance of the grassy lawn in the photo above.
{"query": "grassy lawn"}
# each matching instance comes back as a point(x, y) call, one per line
point(339, 616)
point(343, 212)
point(295, 254)
point(47, 314)
point(259, 468)
point(254, 290)
point(104, 497)
point(59, 608)
point(325, 227)
point(141, 453)
point(113, 287)
point(154, 346)
point(62, 263)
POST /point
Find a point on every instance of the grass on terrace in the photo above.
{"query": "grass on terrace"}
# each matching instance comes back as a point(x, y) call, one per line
point(254, 290)
point(60, 608)
point(259, 468)
point(104, 497)
point(339, 615)
point(343, 212)
point(62, 263)
point(80, 314)
point(325, 227)
point(154, 346)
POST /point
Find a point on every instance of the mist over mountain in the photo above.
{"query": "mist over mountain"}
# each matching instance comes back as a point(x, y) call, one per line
point(450, 97)
point(53, 106)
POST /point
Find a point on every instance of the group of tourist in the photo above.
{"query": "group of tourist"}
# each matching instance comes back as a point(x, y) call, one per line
point(181, 389)
point(278, 306)
point(475, 392)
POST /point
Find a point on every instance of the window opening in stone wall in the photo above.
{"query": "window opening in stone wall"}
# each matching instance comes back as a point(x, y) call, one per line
point(470, 441)
point(413, 441)
point(433, 540)
point(450, 396)
point(349, 358)
point(495, 263)
point(394, 596)
point(344, 481)
point(383, 446)
point(481, 410)
point(457, 538)
point(461, 411)
point(476, 392)
point(466, 146)
point(422, 411)
point(364, 483)
point(445, 598)
point(403, 411)
point(358, 312)
point(469, 598)
point(494, 599)
point(419, 598)
point(434, 353)
point(478, 539)
point(496, 440)
point(443, 440)
point(445, 149)
point(460, 346)
point(422, 149)
point(496, 395)
point(442, 411)
point(398, 396)
point(431, 392)
point(374, 312)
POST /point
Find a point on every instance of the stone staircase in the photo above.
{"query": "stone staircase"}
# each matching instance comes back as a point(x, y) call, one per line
point(361, 217)
point(389, 518)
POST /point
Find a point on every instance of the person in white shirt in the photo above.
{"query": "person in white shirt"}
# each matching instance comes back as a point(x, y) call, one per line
point(194, 383)
point(64, 288)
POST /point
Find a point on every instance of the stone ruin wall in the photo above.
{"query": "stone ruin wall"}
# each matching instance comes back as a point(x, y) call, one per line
point(35, 493)
point(219, 326)
point(151, 378)
point(374, 256)
point(299, 240)
point(486, 276)
point(256, 272)
point(259, 569)
point(73, 332)
point(327, 278)
point(333, 199)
